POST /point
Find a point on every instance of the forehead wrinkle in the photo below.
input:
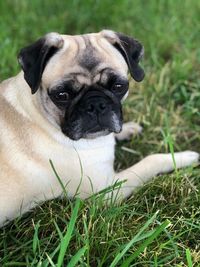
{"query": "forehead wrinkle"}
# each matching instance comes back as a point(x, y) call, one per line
point(106, 49)
point(101, 47)
point(81, 41)
point(84, 79)
point(88, 57)
point(68, 59)
point(75, 77)
point(77, 46)
point(57, 83)
point(72, 49)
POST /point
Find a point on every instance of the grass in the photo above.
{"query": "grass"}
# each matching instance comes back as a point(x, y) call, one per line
point(166, 103)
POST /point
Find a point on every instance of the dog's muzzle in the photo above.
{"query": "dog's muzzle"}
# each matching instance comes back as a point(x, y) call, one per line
point(94, 112)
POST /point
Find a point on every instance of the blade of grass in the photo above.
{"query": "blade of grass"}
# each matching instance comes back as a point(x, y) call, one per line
point(13, 263)
point(169, 141)
point(189, 257)
point(77, 257)
point(50, 256)
point(59, 179)
point(87, 240)
point(65, 241)
point(58, 230)
point(146, 243)
point(115, 186)
point(49, 261)
point(134, 240)
point(81, 166)
point(36, 243)
point(46, 262)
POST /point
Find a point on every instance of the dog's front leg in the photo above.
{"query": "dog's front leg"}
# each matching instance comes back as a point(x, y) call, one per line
point(128, 130)
point(151, 166)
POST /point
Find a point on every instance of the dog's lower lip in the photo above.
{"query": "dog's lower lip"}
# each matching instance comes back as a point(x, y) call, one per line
point(97, 128)
point(93, 130)
point(74, 137)
point(96, 134)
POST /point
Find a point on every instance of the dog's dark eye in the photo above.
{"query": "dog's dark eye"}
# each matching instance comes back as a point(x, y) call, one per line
point(61, 96)
point(120, 88)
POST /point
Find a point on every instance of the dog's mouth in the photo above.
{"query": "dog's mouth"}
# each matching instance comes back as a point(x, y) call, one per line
point(79, 128)
point(97, 113)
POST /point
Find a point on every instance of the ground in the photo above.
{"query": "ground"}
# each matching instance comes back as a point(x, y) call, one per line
point(167, 105)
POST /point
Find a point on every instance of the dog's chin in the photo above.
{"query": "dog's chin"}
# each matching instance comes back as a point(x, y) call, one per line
point(75, 136)
point(96, 134)
point(76, 131)
point(88, 135)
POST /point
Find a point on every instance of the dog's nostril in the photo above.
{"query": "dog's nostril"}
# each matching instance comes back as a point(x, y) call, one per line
point(102, 106)
point(90, 108)
point(97, 107)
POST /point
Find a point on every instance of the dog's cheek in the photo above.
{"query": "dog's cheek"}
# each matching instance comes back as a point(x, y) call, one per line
point(50, 110)
point(72, 124)
point(117, 121)
point(73, 129)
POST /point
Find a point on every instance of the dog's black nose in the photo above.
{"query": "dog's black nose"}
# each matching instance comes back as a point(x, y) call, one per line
point(99, 107)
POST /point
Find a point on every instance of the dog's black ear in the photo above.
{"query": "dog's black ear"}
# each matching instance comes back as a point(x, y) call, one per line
point(34, 58)
point(131, 49)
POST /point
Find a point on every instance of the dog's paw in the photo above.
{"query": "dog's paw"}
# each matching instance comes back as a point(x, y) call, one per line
point(186, 158)
point(128, 130)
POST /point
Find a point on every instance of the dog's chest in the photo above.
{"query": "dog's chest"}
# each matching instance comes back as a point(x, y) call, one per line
point(87, 164)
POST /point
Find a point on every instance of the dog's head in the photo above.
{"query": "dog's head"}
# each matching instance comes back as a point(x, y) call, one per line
point(81, 80)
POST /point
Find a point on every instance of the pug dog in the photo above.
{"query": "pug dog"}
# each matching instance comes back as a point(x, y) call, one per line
point(66, 106)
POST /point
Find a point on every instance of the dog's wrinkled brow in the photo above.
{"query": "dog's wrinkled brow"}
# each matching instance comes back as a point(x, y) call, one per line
point(88, 58)
point(68, 83)
point(76, 80)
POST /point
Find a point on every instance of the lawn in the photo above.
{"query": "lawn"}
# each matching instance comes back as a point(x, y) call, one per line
point(160, 224)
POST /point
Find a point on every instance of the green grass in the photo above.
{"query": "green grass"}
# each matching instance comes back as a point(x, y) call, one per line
point(166, 103)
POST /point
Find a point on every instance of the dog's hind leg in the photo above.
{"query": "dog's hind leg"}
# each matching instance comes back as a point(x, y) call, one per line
point(151, 166)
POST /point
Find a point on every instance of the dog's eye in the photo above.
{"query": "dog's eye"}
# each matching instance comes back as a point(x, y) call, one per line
point(120, 88)
point(61, 96)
